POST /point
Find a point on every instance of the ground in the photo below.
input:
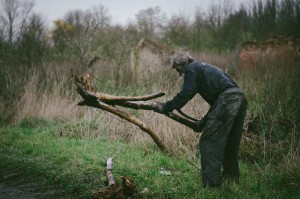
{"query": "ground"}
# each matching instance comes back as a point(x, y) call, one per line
point(16, 186)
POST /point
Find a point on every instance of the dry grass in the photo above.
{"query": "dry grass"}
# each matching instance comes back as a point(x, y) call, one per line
point(50, 94)
point(46, 102)
point(53, 97)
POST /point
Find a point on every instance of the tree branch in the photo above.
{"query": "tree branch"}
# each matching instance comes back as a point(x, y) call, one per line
point(91, 100)
point(108, 103)
point(113, 98)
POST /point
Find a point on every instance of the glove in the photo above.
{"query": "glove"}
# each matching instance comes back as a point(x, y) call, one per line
point(200, 125)
point(160, 108)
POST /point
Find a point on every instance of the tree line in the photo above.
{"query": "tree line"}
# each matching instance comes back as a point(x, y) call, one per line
point(26, 40)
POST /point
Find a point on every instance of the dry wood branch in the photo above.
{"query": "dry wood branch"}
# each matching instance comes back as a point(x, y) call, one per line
point(109, 173)
point(152, 106)
point(187, 122)
point(107, 102)
point(127, 189)
point(113, 98)
point(91, 100)
point(141, 105)
point(138, 105)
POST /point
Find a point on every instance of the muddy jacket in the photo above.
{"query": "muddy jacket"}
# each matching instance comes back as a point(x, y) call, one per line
point(205, 79)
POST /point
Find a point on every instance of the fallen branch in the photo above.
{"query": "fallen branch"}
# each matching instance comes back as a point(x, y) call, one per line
point(109, 174)
point(113, 98)
point(108, 103)
point(92, 100)
point(127, 188)
point(152, 106)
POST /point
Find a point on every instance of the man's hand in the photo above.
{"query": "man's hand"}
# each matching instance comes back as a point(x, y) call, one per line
point(160, 108)
point(200, 126)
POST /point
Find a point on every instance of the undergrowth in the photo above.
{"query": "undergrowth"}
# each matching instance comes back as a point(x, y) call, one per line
point(78, 165)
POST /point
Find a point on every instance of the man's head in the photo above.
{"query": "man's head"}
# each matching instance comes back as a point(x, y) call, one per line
point(180, 60)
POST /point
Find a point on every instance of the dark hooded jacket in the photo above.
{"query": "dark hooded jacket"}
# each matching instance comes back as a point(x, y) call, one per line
point(205, 79)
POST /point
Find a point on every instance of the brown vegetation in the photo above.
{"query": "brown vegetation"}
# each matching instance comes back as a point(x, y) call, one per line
point(273, 51)
point(35, 68)
point(149, 57)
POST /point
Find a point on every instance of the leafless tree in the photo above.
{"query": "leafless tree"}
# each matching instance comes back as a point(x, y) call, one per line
point(151, 21)
point(14, 14)
point(86, 25)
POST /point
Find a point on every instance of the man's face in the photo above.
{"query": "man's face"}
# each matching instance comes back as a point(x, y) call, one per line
point(178, 68)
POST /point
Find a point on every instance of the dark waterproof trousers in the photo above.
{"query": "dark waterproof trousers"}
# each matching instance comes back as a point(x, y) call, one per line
point(220, 141)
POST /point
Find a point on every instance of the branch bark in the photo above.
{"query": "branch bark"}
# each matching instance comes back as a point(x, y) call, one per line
point(113, 98)
point(92, 100)
point(108, 103)
point(117, 100)
point(109, 173)
point(152, 106)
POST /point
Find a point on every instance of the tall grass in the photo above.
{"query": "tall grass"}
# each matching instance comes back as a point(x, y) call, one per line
point(271, 140)
point(50, 94)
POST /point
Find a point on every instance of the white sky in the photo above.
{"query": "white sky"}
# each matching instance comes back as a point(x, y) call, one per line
point(122, 11)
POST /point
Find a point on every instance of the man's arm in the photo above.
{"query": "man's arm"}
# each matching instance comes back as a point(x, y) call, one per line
point(188, 91)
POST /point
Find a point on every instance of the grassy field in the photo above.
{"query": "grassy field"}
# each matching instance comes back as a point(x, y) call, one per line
point(78, 165)
point(47, 139)
point(66, 146)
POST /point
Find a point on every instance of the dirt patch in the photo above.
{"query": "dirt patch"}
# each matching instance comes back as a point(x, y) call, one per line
point(16, 186)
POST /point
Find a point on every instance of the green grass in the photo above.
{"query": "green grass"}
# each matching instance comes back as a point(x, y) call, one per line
point(78, 165)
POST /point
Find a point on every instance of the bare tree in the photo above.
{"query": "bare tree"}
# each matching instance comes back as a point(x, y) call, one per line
point(151, 21)
point(13, 19)
point(216, 17)
point(33, 42)
point(79, 28)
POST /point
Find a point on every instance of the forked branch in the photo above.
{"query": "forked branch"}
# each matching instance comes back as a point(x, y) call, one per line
point(92, 100)
point(109, 102)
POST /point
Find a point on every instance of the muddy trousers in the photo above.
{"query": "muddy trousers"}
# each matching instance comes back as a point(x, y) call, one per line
point(220, 141)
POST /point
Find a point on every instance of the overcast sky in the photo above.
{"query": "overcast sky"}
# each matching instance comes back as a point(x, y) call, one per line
point(122, 11)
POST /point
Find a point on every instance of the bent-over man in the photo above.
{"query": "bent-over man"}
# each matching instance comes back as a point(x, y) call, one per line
point(222, 125)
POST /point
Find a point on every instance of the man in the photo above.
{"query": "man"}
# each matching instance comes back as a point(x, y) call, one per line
point(222, 126)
